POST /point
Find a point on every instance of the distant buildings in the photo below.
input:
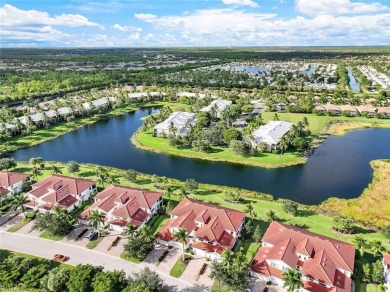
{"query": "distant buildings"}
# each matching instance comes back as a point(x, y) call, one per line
point(123, 206)
point(181, 122)
point(270, 133)
point(11, 182)
point(219, 105)
point(211, 228)
point(326, 264)
point(61, 191)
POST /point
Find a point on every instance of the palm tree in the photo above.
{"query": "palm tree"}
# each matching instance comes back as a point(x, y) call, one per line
point(130, 230)
point(305, 121)
point(112, 180)
point(181, 236)
point(55, 170)
point(377, 247)
point(184, 193)
point(96, 218)
point(276, 117)
point(102, 177)
point(270, 216)
point(36, 173)
point(250, 210)
point(172, 129)
point(360, 244)
point(292, 280)
point(283, 144)
point(17, 202)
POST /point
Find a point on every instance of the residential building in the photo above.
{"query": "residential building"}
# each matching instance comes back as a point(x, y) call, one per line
point(349, 110)
point(211, 228)
point(219, 104)
point(180, 120)
point(270, 133)
point(123, 206)
point(61, 191)
point(325, 264)
point(386, 270)
point(384, 112)
point(366, 110)
point(11, 182)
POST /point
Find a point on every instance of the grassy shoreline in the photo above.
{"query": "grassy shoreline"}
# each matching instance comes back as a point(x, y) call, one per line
point(321, 127)
point(143, 141)
point(373, 205)
point(309, 217)
point(43, 135)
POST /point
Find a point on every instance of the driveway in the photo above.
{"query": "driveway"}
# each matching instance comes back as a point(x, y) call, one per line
point(10, 219)
point(191, 272)
point(257, 285)
point(106, 242)
point(72, 236)
point(46, 248)
point(28, 229)
point(168, 262)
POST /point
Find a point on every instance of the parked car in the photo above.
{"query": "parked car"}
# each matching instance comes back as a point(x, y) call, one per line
point(60, 258)
point(92, 235)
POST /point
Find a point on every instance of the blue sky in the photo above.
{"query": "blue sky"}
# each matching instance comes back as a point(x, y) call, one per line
point(161, 23)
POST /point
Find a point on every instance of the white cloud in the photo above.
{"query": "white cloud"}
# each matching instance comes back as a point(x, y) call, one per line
point(145, 16)
point(337, 7)
point(250, 3)
point(221, 27)
point(127, 28)
point(135, 36)
point(12, 16)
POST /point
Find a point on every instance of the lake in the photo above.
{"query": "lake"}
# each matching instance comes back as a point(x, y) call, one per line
point(352, 80)
point(338, 168)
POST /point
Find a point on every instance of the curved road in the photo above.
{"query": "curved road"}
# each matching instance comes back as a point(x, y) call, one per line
point(78, 255)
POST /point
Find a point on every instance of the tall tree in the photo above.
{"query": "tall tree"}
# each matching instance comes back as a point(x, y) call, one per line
point(182, 236)
point(292, 280)
point(96, 219)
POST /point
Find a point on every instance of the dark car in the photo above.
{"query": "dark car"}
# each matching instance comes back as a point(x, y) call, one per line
point(92, 235)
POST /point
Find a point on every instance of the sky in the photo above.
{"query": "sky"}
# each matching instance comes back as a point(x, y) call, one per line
point(189, 23)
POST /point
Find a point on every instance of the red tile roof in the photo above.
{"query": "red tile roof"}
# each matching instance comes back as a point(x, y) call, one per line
point(55, 182)
point(146, 199)
point(67, 202)
point(231, 219)
point(125, 203)
point(386, 258)
point(216, 222)
point(3, 191)
point(8, 179)
point(326, 255)
point(342, 253)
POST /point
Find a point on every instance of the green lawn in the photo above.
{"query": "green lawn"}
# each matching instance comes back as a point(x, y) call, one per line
point(94, 243)
point(367, 288)
point(160, 144)
point(50, 236)
point(307, 218)
point(42, 135)
point(317, 123)
point(178, 269)
point(19, 254)
point(17, 226)
point(160, 222)
point(126, 257)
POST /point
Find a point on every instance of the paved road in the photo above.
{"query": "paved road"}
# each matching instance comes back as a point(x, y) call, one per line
point(79, 255)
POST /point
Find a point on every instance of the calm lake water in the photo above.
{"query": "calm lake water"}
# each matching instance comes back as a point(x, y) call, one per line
point(352, 80)
point(338, 168)
point(310, 71)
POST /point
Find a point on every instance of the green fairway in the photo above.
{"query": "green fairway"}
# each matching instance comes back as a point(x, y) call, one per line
point(307, 217)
